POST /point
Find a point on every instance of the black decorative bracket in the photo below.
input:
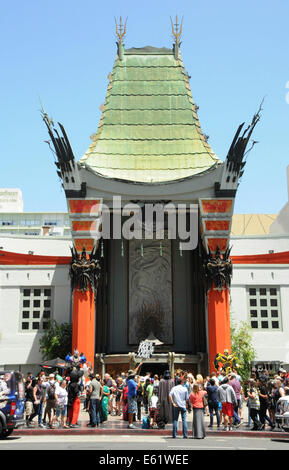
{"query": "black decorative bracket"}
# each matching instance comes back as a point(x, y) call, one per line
point(67, 168)
point(217, 269)
point(84, 270)
point(234, 164)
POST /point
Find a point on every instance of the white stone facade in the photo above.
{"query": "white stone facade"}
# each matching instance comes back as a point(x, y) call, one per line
point(269, 345)
point(21, 349)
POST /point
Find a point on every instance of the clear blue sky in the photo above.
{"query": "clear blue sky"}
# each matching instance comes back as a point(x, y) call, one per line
point(62, 51)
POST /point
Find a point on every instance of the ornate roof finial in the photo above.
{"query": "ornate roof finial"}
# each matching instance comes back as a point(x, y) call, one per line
point(120, 29)
point(177, 31)
point(120, 32)
point(49, 122)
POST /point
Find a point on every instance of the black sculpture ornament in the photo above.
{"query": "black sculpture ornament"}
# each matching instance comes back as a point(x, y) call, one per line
point(217, 269)
point(84, 271)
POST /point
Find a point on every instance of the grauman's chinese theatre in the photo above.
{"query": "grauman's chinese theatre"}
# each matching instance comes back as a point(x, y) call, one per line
point(149, 148)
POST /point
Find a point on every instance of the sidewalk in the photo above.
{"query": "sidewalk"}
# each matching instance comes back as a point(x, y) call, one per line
point(115, 425)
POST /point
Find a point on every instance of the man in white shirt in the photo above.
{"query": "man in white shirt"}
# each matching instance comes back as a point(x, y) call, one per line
point(179, 398)
point(61, 397)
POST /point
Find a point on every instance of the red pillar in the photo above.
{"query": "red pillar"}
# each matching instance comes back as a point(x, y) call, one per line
point(83, 324)
point(219, 332)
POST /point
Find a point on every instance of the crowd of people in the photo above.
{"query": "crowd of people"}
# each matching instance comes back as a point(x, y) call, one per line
point(224, 395)
point(55, 400)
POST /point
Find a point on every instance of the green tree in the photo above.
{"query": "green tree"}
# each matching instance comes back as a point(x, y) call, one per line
point(56, 340)
point(242, 346)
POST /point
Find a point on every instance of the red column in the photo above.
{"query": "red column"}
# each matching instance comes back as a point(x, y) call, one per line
point(218, 323)
point(83, 324)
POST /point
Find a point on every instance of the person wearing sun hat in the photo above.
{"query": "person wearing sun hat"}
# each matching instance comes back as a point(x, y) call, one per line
point(59, 378)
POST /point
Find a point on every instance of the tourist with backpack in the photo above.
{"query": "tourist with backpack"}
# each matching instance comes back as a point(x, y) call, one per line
point(50, 399)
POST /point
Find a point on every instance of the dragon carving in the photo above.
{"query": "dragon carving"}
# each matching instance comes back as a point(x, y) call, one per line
point(84, 270)
point(217, 269)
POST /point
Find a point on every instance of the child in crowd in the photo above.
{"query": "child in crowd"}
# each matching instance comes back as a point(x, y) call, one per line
point(153, 407)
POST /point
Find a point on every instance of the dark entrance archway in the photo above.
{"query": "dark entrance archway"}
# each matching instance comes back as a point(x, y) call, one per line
point(153, 368)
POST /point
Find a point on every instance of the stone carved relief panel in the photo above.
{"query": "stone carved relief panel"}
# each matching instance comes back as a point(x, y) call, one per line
point(150, 291)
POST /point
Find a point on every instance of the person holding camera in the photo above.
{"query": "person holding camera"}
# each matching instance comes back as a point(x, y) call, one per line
point(29, 400)
point(254, 402)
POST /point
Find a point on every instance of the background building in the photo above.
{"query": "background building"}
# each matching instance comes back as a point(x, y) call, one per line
point(13, 221)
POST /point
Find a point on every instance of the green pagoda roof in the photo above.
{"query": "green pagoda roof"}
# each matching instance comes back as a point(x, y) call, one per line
point(149, 130)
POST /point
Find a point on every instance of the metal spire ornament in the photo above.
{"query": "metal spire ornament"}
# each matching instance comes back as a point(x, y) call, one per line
point(177, 30)
point(120, 32)
point(120, 29)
